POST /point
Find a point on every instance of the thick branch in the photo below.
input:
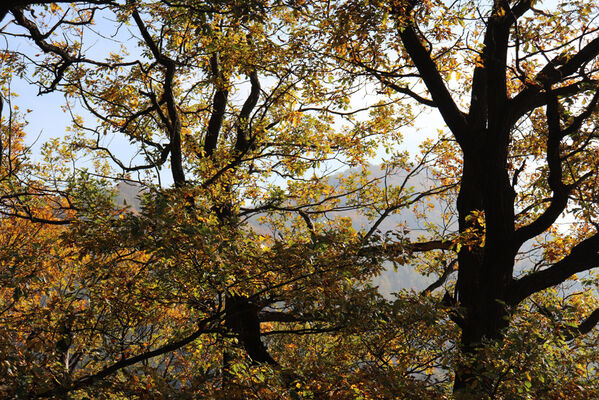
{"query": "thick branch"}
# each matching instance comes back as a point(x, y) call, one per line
point(532, 97)
point(589, 323)
point(243, 123)
point(243, 319)
point(555, 136)
point(412, 94)
point(560, 190)
point(584, 256)
point(584, 116)
point(449, 269)
point(399, 89)
point(521, 7)
point(551, 75)
point(174, 125)
point(559, 199)
point(32, 218)
point(39, 39)
point(219, 104)
point(454, 118)
point(489, 93)
point(572, 331)
point(7, 5)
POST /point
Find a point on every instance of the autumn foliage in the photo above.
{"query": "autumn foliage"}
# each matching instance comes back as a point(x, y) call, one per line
point(275, 177)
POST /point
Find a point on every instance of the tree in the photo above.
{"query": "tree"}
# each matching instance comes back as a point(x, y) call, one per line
point(164, 299)
point(516, 85)
point(248, 107)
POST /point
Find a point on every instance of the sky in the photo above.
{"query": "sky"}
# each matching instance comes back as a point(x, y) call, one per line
point(48, 118)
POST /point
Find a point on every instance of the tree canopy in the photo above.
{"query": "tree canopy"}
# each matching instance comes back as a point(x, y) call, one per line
point(265, 141)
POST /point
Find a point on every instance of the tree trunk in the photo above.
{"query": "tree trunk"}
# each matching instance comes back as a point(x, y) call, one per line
point(242, 319)
point(485, 267)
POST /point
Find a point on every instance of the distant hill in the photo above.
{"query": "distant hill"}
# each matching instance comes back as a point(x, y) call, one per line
point(128, 195)
point(405, 277)
point(390, 281)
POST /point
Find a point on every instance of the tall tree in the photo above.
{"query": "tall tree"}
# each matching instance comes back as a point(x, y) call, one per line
point(516, 85)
